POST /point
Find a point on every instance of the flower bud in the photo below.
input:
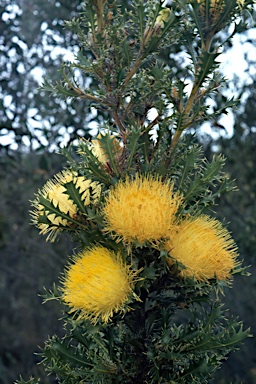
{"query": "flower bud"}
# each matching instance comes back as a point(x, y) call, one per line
point(162, 18)
point(99, 152)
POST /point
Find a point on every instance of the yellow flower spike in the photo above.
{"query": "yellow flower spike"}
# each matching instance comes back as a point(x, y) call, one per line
point(98, 284)
point(142, 209)
point(204, 247)
point(55, 209)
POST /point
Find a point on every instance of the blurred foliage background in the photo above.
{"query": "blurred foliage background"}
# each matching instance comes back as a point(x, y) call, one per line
point(33, 124)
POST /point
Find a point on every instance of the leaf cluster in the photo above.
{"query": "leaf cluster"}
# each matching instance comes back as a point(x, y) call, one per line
point(120, 50)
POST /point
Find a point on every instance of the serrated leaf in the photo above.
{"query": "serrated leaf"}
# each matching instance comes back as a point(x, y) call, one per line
point(187, 163)
point(155, 40)
point(133, 138)
point(141, 17)
point(30, 381)
point(58, 89)
point(226, 341)
point(49, 294)
point(194, 368)
point(203, 179)
point(231, 103)
point(120, 76)
point(224, 16)
point(157, 72)
point(99, 174)
point(207, 63)
point(195, 15)
point(91, 162)
point(51, 209)
point(145, 144)
point(71, 360)
point(75, 196)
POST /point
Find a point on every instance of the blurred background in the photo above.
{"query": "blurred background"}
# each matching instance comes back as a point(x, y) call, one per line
point(34, 124)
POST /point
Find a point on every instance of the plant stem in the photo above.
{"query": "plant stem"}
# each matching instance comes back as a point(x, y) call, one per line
point(88, 96)
point(99, 11)
point(133, 70)
point(120, 126)
point(189, 104)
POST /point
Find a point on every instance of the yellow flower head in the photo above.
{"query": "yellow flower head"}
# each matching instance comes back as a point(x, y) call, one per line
point(204, 247)
point(141, 209)
point(99, 152)
point(56, 210)
point(97, 284)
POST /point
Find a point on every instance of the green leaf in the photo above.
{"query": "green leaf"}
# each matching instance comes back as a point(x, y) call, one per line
point(51, 209)
point(207, 63)
point(90, 162)
point(194, 368)
point(224, 17)
point(56, 349)
point(51, 294)
point(230, 337)
point(205, 177)
point(97, 171)
point(120, 76)
point(75, 196)
point(58, 89)
point(72, 360)
point(195, 15)
point(187, 163)
point(141, 17)
point(30, 381)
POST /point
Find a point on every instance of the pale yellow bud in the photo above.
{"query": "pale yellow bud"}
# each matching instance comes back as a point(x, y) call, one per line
point(240, 3)
point(163, 16)
point(99, 152)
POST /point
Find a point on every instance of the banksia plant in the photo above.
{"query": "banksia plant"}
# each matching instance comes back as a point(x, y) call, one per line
point(142, 291)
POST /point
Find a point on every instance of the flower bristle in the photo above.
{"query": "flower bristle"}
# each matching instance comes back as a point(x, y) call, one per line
point(141, 209)
point(204, 247)
point(97, 284)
